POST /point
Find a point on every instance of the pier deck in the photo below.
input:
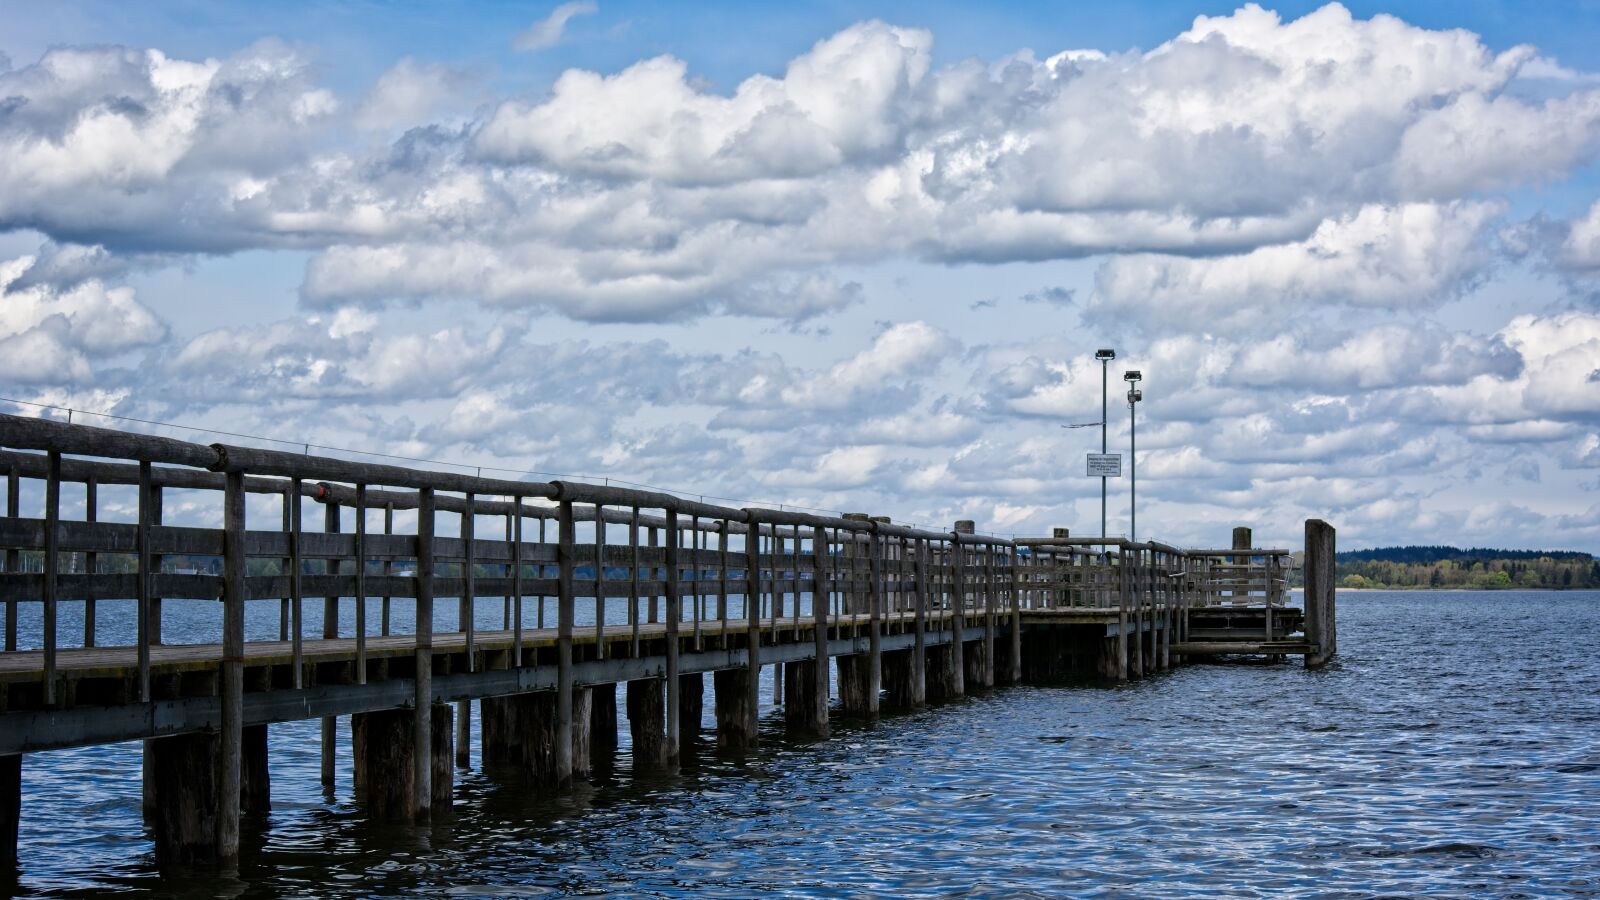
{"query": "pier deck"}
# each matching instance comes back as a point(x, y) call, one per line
point(670, 589)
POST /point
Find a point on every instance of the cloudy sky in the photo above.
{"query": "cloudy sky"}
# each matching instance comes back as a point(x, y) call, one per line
point(838, 256)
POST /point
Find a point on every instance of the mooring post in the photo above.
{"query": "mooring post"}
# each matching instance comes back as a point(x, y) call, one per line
point(1321, 632)
point(422, 723)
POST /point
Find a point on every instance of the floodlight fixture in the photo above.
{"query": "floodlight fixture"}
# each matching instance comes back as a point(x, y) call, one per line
point(1105, 354)
point(1132, 375)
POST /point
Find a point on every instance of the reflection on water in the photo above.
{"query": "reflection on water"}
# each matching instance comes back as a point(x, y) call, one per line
point(1454, 748)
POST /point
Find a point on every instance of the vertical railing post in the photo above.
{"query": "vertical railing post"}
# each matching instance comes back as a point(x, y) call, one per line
point(1122, 609)
point(516, 582)
point(330, 629)
point(146, 582)
point(13, 557)
point(633, 579)
point(990, 589)
point(875, 601)
point(599, 582)
point(919, 638)
point(466, 620)
point(91, 513)
point(296, 589)
point(752, 623)
point(231, 757)
point(674, 613)
point(361, 583)
point(821, 595)
point(422, 718)
point(1015, 675)
point(566, 538)
point(286, 603)
point(958, 615)
point(52, 563)
point(388, 569)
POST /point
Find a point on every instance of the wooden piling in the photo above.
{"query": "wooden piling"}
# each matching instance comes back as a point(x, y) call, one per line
point(1320, 629)
point(800, 699)
point(255, 777)
point(691, 709)
point(582, 748)
point(185, 820)
point(603, 723)
point(10, 814)
point(384, 761)
point(647, 722)
point(735, 719)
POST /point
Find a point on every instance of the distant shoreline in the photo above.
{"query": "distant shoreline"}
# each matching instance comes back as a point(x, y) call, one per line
point(1458, 590)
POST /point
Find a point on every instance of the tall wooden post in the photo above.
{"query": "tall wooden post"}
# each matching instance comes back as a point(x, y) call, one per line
point(919, 647)
point(752, 635)
point(231, 757)
point(875, 622)
point(990, 588)
point(91, 513)
point(1122, 611)
point(330, 629)
point(52, 565)
point(466, 621)
point(674, 611)
point(820, 599)
point(422, 720)
point(1319, 594)
point(566, 538)
point(13, 556)
point(958, 615)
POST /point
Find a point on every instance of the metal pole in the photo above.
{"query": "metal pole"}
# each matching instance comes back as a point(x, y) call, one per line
point(1133, 469)
point(1104, 406)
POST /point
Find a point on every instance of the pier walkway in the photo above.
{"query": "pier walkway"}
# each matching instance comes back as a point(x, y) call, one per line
point(590, 588)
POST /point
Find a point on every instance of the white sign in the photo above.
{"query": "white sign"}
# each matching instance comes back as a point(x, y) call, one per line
point(1105, 465)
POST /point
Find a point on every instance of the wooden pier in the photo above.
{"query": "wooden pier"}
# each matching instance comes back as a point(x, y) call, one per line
point(589, 588)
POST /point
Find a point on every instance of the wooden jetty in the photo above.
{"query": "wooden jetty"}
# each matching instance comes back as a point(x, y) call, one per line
point(591, 587)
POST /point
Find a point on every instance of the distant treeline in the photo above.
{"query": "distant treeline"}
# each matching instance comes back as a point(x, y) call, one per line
point(1433, 554)
point(1452, 567)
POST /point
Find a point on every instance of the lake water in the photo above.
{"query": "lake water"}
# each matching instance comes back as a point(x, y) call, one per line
point(1453, 749)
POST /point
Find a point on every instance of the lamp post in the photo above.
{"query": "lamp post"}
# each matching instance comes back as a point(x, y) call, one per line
point(1105, 357)
point(1132, 377)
